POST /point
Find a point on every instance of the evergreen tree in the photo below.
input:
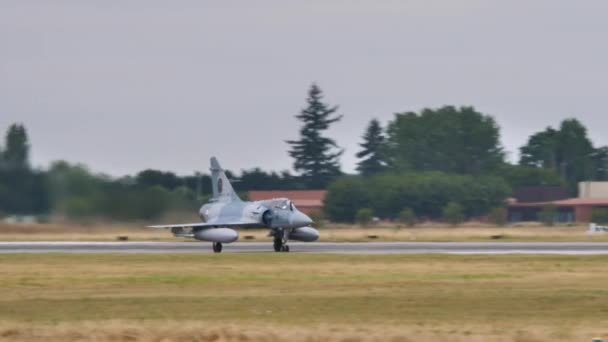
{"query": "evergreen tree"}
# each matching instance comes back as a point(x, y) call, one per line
point(373, 150)
point(16, 152)
point(22, 190)
point(316, 156)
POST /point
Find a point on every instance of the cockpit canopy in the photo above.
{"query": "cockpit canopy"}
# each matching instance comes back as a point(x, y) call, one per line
point(283, 204)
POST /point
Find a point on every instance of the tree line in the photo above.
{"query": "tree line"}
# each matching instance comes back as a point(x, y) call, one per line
point(419, 163)
point(72, 191)
point(438, 162)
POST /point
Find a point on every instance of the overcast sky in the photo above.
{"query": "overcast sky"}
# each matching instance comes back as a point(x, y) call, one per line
point(127, 85)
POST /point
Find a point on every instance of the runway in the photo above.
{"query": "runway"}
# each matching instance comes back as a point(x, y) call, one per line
point(565, 248)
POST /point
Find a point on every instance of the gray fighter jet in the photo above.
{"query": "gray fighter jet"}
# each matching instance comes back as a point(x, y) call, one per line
point(226, 212)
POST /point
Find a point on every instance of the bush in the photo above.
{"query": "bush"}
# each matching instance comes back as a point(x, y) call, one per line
point(600, 215)
point(79, 207)
point(547, 214)
point(407, 217)
point(498, 216)
point(426, 193)
point(344, 197)
point(453, 213)
point(364, 216)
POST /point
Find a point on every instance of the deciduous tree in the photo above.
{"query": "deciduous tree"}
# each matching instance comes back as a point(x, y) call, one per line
point(568, 151)
point(449, 139)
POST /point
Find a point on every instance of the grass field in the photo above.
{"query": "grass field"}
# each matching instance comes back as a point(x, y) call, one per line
point(305, 297)
point(337, 233)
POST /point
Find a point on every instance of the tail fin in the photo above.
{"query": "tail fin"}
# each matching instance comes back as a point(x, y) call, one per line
point(222, 189)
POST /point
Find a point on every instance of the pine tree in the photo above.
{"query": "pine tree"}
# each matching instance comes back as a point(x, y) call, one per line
point(316, 156)
point(373, 150)
point(22, 191)
point(16, 152)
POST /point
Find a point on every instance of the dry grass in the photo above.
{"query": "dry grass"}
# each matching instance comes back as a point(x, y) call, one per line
point(305, 297)
point(429, 232)
point(117, 330)
point(436, 232)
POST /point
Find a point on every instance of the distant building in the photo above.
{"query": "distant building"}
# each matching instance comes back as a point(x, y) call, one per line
point(531, 194)
point(579, 209)
point(593, 189)
point(307, 201)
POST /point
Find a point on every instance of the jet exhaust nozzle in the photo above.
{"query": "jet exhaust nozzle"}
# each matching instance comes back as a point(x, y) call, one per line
point(224, 235)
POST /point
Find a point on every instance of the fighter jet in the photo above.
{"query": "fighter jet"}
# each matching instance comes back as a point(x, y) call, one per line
point(226, 212)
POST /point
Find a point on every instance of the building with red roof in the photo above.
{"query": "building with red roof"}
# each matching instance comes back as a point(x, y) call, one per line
point(592, 195)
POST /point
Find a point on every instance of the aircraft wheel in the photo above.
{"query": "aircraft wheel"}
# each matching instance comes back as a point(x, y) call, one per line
point(217, 247)
point(278, 245)
point(285, 248)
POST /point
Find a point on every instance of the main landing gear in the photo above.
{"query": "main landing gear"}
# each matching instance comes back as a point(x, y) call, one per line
point(280, 246)
point(280, 241)
point(217, 247)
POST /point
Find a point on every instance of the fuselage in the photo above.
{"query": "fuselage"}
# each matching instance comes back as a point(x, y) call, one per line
point(273, 213)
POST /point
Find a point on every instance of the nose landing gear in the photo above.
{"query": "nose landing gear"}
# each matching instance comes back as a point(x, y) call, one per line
point(280, 241)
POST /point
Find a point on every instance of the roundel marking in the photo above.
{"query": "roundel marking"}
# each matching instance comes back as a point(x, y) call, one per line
point(220, 186)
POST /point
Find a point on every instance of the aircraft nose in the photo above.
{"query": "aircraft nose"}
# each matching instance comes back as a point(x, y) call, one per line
point(299, 219)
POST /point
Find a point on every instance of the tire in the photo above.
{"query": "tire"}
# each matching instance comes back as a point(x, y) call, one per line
point(278, 245)
point(217, 247)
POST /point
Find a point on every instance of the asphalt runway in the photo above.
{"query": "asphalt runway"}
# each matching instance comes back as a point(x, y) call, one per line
point(565, 248)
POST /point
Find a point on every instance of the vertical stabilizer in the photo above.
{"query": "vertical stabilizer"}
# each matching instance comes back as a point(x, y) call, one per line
point(222, 189)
